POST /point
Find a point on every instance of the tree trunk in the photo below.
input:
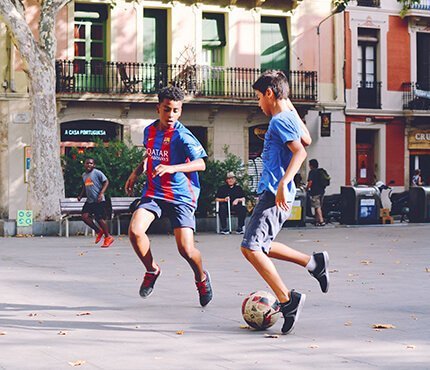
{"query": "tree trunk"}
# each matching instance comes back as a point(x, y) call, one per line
point(46, 178)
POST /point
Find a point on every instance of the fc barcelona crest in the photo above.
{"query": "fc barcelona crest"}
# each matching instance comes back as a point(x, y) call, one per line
point(166, 141)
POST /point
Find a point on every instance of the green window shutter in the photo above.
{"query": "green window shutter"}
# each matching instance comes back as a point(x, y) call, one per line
point(274, 43)
point(213, 30)
point(155, 36)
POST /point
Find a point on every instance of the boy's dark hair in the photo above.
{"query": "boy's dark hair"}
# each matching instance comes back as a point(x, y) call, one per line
point(171, 93)
point(313, 163)
point(90, 159)
point(275, 80)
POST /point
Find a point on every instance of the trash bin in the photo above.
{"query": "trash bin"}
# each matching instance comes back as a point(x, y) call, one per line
point(419, 204)
point(298, 212)
point(360, 205)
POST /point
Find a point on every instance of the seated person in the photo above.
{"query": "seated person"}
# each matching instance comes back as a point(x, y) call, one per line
point(233, 193)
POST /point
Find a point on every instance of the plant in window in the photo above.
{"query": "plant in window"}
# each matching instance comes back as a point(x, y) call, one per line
point(406, 5)
point(340, 5)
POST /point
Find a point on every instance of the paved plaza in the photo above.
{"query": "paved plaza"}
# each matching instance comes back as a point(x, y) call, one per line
point(68, 303)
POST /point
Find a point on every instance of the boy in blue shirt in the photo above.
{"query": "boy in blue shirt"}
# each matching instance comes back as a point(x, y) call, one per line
point(283, 154)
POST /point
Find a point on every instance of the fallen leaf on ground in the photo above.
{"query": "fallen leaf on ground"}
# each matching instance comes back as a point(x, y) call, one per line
point(397, 262)
point(333, 271)
point(271, 336)
point(83, 314)
point(180, 332)
point(410, 346)
point(244, 326)
point(3, 333)
point(313, 346)
point(427, 269)
point(383, 326)
point(32, 314)
point(348, 323)
point(77, 363)
point(62, 332)
point(365, 262)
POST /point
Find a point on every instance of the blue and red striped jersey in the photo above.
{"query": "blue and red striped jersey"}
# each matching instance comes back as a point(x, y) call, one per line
point(176, 145)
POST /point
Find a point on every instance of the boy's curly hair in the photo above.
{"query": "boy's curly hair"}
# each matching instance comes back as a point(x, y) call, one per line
point(275, 80)
point(171, 93)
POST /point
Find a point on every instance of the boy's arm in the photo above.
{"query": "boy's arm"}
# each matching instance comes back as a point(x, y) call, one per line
point(83, 192)
point(306, 137)
point(193, 166)
point(103, 190)
point(299, 155)
point(129, 184)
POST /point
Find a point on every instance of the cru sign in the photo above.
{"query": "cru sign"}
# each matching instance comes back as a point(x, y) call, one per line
point(419, 139)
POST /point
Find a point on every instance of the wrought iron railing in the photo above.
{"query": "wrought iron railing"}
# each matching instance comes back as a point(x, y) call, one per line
point(371, 3)
point(369, 94)
point(423, 5)
point(415, 98)
point(197, 80)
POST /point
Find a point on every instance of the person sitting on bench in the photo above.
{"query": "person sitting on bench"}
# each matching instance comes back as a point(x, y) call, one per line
point(233, 193)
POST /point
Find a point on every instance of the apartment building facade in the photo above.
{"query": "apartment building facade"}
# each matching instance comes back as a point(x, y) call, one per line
point(112, 57)
point(387, 76)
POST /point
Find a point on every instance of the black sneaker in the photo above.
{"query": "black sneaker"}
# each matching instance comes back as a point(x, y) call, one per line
point(205, 290)
point(321, 271)
point(240, 230)
point(291, 310)
point(148, 283)
point(225, 231)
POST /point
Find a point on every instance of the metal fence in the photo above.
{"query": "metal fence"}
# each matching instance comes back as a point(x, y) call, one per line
point(138, 78)
point(415, 98)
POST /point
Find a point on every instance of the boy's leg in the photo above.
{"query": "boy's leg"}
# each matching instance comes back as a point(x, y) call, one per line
point(268, 272)
point(139, 224)
point(89, 221)
point(317, 264)
point(185, 241)
point(103, 226)
point(282, 252)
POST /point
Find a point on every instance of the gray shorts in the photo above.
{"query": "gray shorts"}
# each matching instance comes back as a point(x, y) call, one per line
point(317, 200)
point(265, 223)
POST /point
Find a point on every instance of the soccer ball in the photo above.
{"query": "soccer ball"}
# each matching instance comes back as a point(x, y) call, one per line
point(260, 310)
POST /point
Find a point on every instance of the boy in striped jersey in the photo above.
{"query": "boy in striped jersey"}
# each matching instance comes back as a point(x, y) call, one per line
point(173, 157)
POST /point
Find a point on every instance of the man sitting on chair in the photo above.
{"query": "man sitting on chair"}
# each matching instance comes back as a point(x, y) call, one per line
point(233, 193)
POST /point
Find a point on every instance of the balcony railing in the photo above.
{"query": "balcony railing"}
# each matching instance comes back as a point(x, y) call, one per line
point(369, 94)
point(415, 98)
point(371, 3)
point(423, 5)
point(81, 77)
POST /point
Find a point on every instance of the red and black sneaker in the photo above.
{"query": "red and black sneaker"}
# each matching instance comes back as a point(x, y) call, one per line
point(205, 290)
point(99, 236)
point(148, 282)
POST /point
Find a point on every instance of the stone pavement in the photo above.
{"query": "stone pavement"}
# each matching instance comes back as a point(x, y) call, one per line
point(67, 302)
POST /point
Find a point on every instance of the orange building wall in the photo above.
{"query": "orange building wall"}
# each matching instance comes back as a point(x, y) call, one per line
point(61, 33)
point(348, 51)
point(398, 53)
point(395, 154)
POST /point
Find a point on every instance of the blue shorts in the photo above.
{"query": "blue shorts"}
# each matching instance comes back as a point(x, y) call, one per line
point(179, 214)
point(265, 223)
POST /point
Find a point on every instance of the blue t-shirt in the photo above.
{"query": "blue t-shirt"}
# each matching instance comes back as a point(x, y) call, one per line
point(176, 145)
point(283, 128)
